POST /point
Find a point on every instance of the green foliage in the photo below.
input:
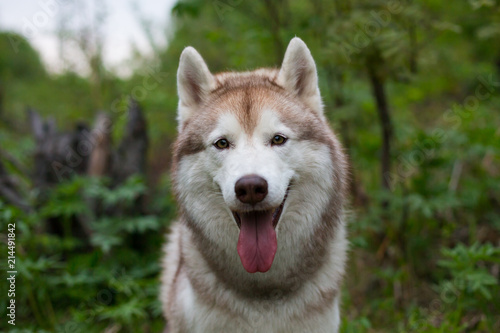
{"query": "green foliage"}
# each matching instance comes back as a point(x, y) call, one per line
point(469, 275)
point(65, 286)
point(126, 193)
point(18, 59)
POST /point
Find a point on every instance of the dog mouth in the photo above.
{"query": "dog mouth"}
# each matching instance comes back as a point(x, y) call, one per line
point(276, 213)
point(257, 242)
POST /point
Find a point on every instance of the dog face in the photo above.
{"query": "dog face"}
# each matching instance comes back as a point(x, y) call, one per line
point(251, 168)
point(249, 145)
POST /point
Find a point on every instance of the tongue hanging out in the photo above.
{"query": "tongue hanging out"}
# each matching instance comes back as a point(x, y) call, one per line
point(257, 243)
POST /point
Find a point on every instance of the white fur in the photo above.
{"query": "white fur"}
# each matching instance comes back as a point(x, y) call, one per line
point(298, 75)
point(251, 155)
point(208, 179)
point(262, 316)
point(308, 165)
point(194, 82)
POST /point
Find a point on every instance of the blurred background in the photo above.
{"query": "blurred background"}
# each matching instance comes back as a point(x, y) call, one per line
point(87, 119)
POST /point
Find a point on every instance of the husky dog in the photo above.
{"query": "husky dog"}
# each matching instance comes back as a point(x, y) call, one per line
point(261, 181)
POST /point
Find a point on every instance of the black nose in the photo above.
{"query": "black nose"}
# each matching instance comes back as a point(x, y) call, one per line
point(251, 189)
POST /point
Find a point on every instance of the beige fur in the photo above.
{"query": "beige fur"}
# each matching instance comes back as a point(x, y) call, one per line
point(204, 286)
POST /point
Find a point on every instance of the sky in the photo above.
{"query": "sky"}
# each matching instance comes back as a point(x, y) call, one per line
point(37, 20)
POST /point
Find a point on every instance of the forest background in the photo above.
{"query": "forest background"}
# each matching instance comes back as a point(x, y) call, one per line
point(412, 88)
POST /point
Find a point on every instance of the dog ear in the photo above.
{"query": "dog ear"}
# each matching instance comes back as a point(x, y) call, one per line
point(194, 82)
point(298, 75)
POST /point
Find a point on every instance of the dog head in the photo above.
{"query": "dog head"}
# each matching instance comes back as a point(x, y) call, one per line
point(250, 144)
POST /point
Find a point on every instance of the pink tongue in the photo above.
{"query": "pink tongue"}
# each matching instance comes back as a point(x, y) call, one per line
point(257, 243)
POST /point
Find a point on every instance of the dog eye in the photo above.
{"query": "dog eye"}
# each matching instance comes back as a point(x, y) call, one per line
point(278, 140)
point(221, 144)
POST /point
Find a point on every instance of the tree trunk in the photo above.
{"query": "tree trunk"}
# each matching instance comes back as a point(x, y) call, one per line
point(497, 63)
point(379, 93)
point(275, 23)
point(100, 163)
point(1, 100)
point(412, 32)
point(335, 84)
point(132, 151)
